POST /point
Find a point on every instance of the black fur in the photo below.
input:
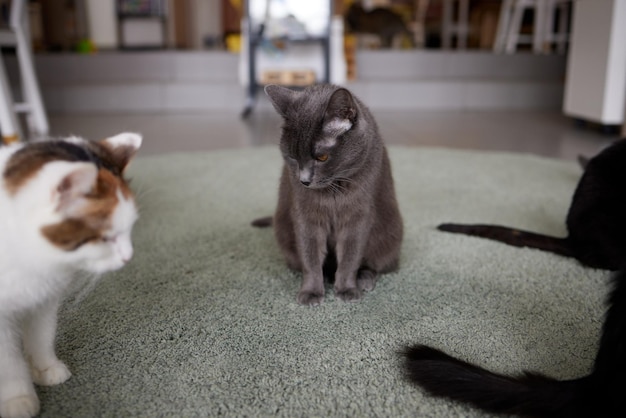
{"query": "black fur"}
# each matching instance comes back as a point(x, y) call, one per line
point(596, 220)
point(263, 222)
point(92, 152)
point(381, 21)
point(600, 394)
point(514, 237)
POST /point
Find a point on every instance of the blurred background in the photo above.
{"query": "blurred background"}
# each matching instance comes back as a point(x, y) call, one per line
point(540, 76)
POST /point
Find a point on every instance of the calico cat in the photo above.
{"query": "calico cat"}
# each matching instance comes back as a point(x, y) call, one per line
point(65, 210)
point(380, 21)
point(595, 222)
point(599, 394)
point(337, 214)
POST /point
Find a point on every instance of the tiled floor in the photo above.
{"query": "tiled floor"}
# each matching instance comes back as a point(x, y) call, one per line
point(543, 133)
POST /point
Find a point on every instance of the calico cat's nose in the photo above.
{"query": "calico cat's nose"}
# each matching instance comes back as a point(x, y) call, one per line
point(305, 182)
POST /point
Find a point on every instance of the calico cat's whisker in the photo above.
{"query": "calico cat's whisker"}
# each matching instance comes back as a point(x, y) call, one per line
point(84, 286)
point(140, 192)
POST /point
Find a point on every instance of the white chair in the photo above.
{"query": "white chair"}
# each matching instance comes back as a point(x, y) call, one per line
point(17, 35)
point(452, 27)
point(544, 34)
point(559, 35)
point(418, 26)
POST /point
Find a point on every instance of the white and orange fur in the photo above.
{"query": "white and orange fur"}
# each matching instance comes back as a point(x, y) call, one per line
point(65, 210)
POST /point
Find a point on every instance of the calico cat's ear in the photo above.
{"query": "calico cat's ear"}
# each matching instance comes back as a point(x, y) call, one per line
point(340, 113)
point(123, 148)
point(281, 98)
point(73, 181)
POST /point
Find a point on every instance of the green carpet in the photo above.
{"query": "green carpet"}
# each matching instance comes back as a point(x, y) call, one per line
point(203, 321)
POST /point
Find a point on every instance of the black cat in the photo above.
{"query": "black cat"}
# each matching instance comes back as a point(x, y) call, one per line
point(380, 21)
point(596, 221)
point(599, 394)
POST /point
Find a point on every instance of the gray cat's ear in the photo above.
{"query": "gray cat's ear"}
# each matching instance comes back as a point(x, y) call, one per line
point(281, 97)
point(340, 113)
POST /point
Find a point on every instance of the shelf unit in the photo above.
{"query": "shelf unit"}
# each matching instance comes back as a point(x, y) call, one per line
point(142, 24)
point(254, 36)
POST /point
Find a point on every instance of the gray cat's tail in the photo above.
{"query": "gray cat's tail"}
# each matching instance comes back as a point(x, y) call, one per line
point(528, 394)
point(263, 222)
point(512, 236)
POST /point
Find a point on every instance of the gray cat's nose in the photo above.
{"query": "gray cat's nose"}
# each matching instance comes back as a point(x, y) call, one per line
point(305, 176)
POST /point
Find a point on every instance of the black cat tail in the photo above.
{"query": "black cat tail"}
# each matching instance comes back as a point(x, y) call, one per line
point(600, 394)
point(263, 222)
point(512, 236)
point(528, 394)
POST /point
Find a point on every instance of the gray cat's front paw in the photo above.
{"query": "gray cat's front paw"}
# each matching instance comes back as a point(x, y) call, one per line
point(309, 298)
point(366, 284)
point(52, 375)
point(366, 280)
point(25, 406)
point(349, 295)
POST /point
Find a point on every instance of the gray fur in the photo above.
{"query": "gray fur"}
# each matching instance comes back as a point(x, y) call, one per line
point(346, 220)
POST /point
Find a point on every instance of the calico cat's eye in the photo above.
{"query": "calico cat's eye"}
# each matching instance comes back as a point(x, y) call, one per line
point(108, 239)
point(322, 157)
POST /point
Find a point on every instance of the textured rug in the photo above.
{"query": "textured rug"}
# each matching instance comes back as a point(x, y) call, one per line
point(203, 321)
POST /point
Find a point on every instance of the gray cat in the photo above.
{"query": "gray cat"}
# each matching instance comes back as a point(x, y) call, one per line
point(337, 213)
